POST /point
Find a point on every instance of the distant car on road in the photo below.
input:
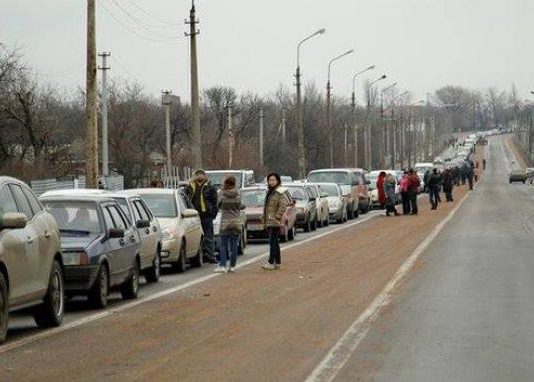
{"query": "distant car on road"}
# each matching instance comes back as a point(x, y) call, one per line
point(306, 206)
point(253, 198)
point(323, 210)
point(337, 203)
point(100, 246)
point(518, 176)
point(244, 178)
point(31, 264)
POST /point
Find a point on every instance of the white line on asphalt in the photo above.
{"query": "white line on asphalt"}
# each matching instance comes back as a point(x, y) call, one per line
point(112, 311)
point(337, 357)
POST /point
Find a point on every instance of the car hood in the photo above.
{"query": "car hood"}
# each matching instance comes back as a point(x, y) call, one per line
point(77, 243)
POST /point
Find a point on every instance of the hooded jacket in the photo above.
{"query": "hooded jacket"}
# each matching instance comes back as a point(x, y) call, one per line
point(230, 207)
point(275, 206)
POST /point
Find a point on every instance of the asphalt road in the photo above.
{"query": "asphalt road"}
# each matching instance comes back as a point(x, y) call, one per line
point(466, 313)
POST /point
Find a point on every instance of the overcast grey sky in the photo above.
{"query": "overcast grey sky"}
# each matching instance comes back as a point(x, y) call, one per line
point(251, 44)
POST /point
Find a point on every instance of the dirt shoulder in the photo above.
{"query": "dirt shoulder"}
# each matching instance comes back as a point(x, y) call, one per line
point(254, 325)
point(518, 151)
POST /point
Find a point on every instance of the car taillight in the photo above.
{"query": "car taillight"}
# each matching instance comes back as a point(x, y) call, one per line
point(84, 259)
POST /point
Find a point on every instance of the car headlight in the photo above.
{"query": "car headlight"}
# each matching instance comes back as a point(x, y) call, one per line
point(75, 258)
point(167, 234)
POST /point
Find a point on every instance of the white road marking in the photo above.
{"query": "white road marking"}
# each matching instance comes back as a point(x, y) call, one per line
point(112, 311)
point(339, 354)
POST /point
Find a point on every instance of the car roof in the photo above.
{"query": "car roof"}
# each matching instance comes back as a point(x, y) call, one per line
point(145, 191)
point(9, 179)
point(78, 198)
point(75, 191)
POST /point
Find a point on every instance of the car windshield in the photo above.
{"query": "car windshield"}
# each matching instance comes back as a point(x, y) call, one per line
point(75, 217)
point(217, 178)
point(330, 189)
point(253, 198)
point(161, 205)
point(338, 177)
point(297, 193)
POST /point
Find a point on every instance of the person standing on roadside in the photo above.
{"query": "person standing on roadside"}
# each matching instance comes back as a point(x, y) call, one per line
point(434, 182)
point(484, 164)
point(425, 180)
point(404, 194)
point(391, 198)
point(448, 184)
point(380, 189)
point(470, 176)
point(203, 196)
point(414, 187)
point(231, 224)
point(275, 206)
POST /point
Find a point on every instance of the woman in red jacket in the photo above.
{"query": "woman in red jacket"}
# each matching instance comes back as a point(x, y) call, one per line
point(380, 188)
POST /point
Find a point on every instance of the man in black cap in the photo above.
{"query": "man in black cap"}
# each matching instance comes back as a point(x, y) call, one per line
point(203, 196)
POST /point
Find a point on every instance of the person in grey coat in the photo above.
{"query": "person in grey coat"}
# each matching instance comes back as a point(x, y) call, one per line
point(391, 198)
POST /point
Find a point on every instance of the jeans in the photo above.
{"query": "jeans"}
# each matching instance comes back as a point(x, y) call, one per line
point(229, 242)
point(208, 242)
point(413, 202)
point(274, 246)
point(434, 196)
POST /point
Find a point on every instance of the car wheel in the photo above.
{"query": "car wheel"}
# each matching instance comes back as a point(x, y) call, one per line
point(4, 308)
point(152, 275)
point(314, 224)
point(285, 236)
point(355, 213)
point(327, 222)
point(198, 260)
point(98, 295)
point(292, 233)
point(179, 265)
point(130, 289)
point(50, 312)
point(242, 245)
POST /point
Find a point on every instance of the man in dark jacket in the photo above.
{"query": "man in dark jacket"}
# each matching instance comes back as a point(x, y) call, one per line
point(448, 184)
point(434, 182)
point(203, 196)
point(414, 184)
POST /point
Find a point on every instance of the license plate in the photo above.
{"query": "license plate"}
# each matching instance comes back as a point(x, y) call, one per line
point(255, 227)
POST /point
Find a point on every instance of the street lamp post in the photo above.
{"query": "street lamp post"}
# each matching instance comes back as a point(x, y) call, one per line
point(384, 125)
point(393, 137)
point(301, 158)
point(353, 104)
point(329, 105)
point(368, 153)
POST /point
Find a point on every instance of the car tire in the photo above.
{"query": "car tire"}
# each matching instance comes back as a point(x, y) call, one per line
point(355, 214)
point(292, 233)
point(154, 272)
point(180, 266)
point(130, 289)
point(198, 260)
point(327, 222)
point(98, 295)
point(307, 225)
point(285, 237)
point(242, 245)
point(4, 308)
point(50, 313)
point(314, 224)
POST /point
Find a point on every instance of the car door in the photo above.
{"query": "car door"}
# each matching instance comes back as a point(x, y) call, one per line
point(34, 241)
point(149, 237)
point(112, 246)
point(192, 227)
point(130, 244)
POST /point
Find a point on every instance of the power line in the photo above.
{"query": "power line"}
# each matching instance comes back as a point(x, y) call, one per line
point(165, 22)
point(118, 21)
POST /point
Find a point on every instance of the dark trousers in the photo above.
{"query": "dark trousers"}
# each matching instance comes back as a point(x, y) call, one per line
point(412, 195)
point(434, 196)
point(448, 194)
point(470, 182)
point(274, 245)
point(405, 203)
point(208, 244)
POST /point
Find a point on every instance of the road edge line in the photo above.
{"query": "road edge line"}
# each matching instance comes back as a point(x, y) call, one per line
point(340, 353)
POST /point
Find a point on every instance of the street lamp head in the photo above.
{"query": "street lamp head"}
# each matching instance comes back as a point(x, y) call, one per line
point(371, 67)
point(383, 77)
point(321, 31)
point(531, 92)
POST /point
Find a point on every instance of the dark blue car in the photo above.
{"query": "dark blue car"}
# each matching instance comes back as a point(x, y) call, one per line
point(99, 244)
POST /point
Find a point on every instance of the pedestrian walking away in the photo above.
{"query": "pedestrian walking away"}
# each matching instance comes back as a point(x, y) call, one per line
point(380, 188)
point(231, 225)
point(448, 184)
point(414, 187)
point(391, 198)
point(275, 206)
point(484, 164)
point(434, 182)
point(203, 196)
point(470, 176)
point(404, 193)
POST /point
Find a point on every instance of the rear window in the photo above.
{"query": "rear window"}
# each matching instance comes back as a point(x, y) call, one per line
point(161, 205)
point(330, 189)
point(297, 193)
point(338, 177)
point(253, 198)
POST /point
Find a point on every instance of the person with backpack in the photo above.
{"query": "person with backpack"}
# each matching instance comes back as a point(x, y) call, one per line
point(231, 225)
point(275, 206)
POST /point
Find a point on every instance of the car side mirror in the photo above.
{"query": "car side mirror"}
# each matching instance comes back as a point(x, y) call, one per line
point(116, 233)
point(189, 213)
point(368, 182)
point(142, 224)
point(13, 220)
point(312, 199)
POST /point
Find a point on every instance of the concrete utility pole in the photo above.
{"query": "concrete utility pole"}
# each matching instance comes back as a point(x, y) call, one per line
point(353, 104)
point(368, 140)
point(261, 137)
point(329, 106)
point(230, 138)
point(105, 99)
point(283, 127)
point(166, 101)
point(301, 155)
point(195, 103)
point(91, 128)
